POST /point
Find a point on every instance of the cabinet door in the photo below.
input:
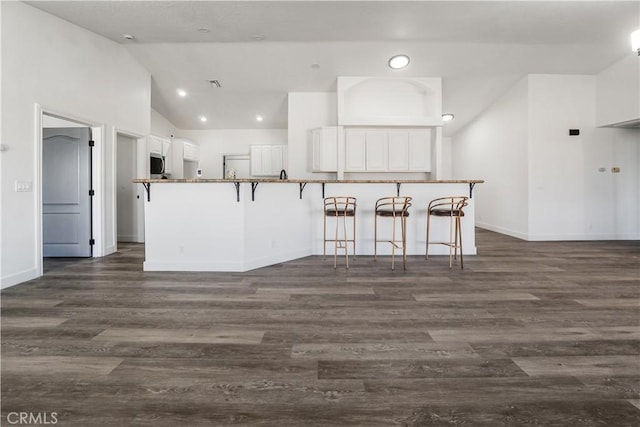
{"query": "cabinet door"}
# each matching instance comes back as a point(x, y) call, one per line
point(191, 152)
point(398, 151)
point(277, 159)
point(420, 151)
point(316, 153)
point(154, 145)
point(377, 155)
point(256, 160)
point(324, 149)
point(355, 149)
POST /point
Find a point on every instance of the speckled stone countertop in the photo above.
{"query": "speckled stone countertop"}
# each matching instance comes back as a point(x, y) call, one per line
point(317, 181)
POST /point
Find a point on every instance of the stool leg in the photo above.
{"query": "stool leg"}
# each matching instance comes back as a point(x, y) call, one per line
point(335, 244)
point(393, 244)
point(460, 233)
point(404, 242)
point(426, 256)
point(346, 242)
point(324, 236)
point(450, 241)
point(354, 234)
point(375, 237)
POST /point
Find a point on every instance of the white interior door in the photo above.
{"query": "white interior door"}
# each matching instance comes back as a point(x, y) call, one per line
point(66, 183)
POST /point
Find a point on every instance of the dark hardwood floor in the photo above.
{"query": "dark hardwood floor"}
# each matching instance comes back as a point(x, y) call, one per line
point(529, 333)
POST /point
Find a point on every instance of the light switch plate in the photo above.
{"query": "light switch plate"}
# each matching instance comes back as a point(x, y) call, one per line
point(24, 186)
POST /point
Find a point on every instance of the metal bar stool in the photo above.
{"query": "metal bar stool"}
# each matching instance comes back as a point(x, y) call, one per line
point(452, 208)
point(340, 207)
point(396, 208)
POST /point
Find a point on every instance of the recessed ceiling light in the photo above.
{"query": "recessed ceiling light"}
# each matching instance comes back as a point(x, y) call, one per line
point(447, 117)
point(258, 38)
point(398, 61)
point(204, 30)
point(202, 119)
point(259, 118)
point(128, 37)
point(182, 92)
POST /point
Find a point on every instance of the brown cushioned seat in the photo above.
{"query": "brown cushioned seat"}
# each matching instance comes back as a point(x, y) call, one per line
point(340, 212)
point(390, 213)
point(446, 212)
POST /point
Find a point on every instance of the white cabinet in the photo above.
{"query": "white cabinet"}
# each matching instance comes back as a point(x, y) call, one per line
point(154, 144)
point(398, 151)
point(388, 150)
point(376, 151)
point(324, 143)
point(420, 151)
point(268, 160)
point(355, 151)
point(191, 152)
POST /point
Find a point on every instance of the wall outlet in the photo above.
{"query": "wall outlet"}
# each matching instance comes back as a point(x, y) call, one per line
point(24, 186)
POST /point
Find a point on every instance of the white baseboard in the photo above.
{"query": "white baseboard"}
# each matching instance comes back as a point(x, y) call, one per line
point(276, 259)
point(193, 266)
point(582, 237)
point(558, 237)
point(128, 238)
point(109, 250)
point(225, 266)
point(502, 230)
point(17, 278)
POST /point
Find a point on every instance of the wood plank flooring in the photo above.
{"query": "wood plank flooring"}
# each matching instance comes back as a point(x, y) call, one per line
point(529, 333)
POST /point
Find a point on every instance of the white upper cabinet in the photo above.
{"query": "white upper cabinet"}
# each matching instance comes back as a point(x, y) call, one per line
point(268, 160)
point(420, 151)
point(376, 151)
point(324, 146)
point(384, 150)
point(191, 152)
point(154, 145)
point(355, 151)
point(398, 151)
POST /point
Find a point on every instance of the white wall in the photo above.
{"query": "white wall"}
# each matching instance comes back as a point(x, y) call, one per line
point(308, 110)
point(69, 71)
point(216, 143)
point(160, 126)
point(563, 185)
point(494, 147)
point(618, 92)
point(558, 163)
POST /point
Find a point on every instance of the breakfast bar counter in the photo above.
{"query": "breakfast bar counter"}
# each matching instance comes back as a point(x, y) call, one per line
point(242, 224)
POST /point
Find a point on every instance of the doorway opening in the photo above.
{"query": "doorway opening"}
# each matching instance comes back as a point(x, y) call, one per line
point(69, 217)
point(131, 163)
point(67, 189)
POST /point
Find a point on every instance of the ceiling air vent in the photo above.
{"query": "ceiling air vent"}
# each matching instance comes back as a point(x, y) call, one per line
point(214, 83)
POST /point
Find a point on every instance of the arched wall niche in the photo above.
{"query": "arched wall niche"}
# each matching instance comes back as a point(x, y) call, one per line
point(389, 101)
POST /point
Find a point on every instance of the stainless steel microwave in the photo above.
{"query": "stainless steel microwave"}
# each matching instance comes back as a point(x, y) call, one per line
point(157, 164)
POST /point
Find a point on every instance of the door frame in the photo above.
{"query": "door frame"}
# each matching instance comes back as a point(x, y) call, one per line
point(97, 217)
point(141, 172)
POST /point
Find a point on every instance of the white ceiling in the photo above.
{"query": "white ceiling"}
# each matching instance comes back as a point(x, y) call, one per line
point(479, 48)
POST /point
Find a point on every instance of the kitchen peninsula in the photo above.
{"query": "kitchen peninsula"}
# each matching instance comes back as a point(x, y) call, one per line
point(242, 224)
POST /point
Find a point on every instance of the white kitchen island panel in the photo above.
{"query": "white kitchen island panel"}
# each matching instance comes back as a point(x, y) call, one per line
point(205, 225)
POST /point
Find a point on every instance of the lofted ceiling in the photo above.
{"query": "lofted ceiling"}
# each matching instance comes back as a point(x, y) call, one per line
point(261, 50)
